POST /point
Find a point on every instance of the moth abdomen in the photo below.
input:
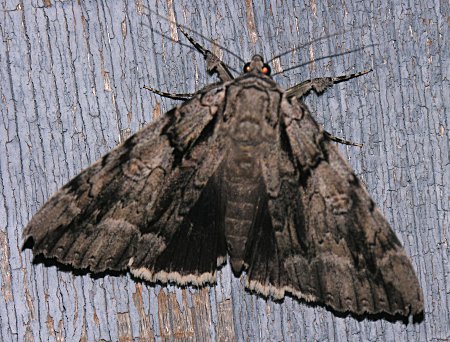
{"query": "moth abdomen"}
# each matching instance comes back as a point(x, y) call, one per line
point(240, 197)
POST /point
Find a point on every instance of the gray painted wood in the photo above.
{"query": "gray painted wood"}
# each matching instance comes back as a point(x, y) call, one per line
point(71, 89)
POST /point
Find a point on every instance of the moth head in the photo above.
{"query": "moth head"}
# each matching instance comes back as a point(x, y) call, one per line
point(257, 65)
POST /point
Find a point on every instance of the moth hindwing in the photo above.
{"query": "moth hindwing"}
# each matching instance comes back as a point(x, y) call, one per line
point(241, 169)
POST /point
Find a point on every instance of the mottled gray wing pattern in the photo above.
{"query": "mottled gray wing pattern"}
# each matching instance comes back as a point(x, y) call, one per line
point(321, 237)
point(139, 204)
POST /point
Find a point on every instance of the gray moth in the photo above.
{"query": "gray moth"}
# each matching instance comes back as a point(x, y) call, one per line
point(239, 170)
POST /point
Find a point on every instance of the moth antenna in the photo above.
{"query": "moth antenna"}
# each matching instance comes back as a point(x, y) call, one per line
point(209, 40)
point(324, 57)
point(191, 47)
point(314, 41)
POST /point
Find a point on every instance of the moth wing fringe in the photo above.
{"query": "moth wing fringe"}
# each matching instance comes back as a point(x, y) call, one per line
point(176, 277)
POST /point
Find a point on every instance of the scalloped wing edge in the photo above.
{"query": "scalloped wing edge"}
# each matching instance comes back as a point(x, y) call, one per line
point(176, 277)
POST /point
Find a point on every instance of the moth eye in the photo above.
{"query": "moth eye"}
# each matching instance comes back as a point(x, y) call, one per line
point(247, 67)
point(265, 69)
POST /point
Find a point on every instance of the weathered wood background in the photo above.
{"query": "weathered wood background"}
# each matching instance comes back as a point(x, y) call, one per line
point(71, 89)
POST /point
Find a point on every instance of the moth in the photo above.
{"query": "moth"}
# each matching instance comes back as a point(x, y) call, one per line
point(239, 170)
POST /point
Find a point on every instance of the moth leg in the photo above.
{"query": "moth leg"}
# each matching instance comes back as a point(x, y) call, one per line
point(340, 140)
point(319, 85)
point(183, 97)
point(213, 63)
